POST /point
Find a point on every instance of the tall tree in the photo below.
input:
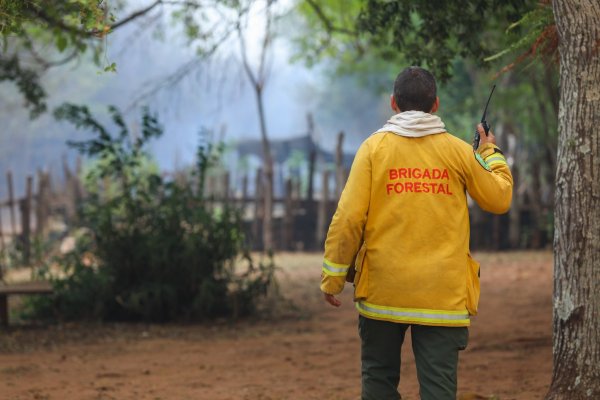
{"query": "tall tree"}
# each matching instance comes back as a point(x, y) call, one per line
point(222, 28)
point(577, 209)
point(258, 78)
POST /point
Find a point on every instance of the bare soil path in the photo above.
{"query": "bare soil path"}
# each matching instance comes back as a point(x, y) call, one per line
point(307, 352)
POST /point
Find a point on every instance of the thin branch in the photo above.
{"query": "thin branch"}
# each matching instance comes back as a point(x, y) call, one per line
point(135, 15)
point(265, 44)
point(137, 34)
point(180, 73)
point(46, 64)
point(245, 63)
point(41, 60)
point(41, 14)
point(170, 80)
point(329, 27)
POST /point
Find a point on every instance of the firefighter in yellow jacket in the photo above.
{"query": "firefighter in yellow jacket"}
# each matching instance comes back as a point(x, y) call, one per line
point(402, 223)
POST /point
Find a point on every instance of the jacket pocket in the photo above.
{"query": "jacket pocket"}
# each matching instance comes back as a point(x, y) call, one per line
point(473, 289)
point(361, 278)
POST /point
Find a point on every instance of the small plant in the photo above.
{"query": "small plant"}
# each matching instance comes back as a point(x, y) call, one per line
point(153, 250)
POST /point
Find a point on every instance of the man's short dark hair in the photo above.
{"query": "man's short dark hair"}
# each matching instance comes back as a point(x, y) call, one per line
point(415, 89)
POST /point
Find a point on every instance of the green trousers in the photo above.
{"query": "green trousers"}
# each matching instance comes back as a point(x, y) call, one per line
point(436, 355)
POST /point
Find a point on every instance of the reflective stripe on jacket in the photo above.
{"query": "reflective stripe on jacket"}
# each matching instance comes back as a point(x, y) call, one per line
point(405, 207)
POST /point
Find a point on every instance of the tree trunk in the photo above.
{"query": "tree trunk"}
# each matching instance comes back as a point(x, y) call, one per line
point(577, 205)
point(535, 188)
point(268, 173)
point(312, 158)
point(259, 204)
point(514, 214)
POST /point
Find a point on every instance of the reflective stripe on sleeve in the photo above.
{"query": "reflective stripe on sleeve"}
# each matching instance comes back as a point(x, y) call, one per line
point(444, 317)
point(495, 159)
point(334, 269)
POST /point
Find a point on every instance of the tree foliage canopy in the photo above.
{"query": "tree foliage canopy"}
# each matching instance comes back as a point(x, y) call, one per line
point(25, 26)
point(40, 34)
point(431, 34)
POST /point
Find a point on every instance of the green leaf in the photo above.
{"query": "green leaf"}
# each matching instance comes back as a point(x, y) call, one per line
point(498, 55)
point(61, 43)
point(111, 68)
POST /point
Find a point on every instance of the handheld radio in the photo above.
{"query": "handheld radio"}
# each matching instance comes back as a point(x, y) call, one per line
point(486, 128)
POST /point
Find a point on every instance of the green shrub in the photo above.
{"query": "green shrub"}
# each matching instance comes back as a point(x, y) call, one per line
point(151, 249)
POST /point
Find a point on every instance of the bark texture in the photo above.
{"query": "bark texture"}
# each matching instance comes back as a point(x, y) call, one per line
point(577, 205)
point(268, 193)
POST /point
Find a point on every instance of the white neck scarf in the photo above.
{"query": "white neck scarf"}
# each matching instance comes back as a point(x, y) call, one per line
point(414, 124)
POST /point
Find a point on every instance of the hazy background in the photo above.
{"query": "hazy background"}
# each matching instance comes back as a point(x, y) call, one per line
point(215, 95)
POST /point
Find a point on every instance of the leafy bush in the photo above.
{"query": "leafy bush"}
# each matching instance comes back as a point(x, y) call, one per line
point(149, 248)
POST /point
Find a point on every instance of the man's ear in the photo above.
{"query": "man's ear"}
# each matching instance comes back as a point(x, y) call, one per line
point(393, 104)
point(436, 105)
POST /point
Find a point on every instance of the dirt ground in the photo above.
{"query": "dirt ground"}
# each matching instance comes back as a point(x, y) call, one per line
point(307, 350)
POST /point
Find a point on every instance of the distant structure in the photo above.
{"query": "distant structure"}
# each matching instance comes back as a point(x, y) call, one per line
point(285, 154)
point(283, 150)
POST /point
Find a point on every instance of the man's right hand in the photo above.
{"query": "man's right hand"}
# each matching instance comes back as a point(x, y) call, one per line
point(331, 299)
point(490, 138)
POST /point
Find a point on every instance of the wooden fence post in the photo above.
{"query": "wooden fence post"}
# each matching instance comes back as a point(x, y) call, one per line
point(70, 191)
point(66, 170)
point(40, 200)
point(297, 189)
point(78, 192)
point(2, 244)
point(322, 212)
point(50, 183)
point(312, 158)
point(11, 203)
point(258, 207)
point(288, 217)
point(244, 189)
point(25, 205)
point(226, 187)
point(244, 195)
point(44, 200)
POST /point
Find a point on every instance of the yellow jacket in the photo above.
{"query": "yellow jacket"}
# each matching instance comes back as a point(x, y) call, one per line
point(405, 208)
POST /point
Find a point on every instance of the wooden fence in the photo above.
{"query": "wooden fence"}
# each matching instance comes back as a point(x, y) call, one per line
point(25, 217)
point(301, 213)
point(301, 218)
point(300, 222)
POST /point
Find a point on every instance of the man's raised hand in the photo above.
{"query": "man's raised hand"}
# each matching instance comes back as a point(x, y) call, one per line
point(490, 138)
